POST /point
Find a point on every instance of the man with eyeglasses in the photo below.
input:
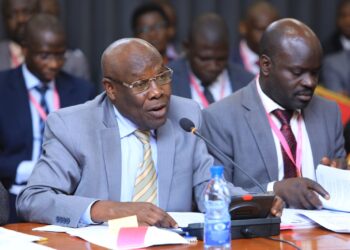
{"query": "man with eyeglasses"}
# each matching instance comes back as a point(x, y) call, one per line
point(27, 94)
point(123, 153)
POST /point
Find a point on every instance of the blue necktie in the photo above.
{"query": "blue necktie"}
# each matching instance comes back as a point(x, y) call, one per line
point(42, 91)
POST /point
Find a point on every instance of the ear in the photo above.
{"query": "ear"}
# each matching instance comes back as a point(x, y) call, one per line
point(265, 65)
point(110, 88)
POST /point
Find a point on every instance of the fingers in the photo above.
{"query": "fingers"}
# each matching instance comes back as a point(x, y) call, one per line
point(317, 188)
point(277, 207)
point(154, 216)
point(326, 161)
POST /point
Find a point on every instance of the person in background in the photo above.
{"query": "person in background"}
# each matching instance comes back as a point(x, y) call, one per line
point(340, 39)
point(275, 128)
point(16, 14)
point(171, 49)
point(149, 22)
point(257, 17)
point(123, 153)
point(27, 94)
point(205, 74)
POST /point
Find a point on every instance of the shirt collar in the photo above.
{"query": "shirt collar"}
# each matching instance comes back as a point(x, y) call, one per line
point(126, 127)
point(221, 78)
point(251, 55)
point(31, 81)
point(345, 42)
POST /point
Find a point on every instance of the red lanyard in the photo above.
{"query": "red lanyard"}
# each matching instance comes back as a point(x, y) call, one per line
point(41, 111)
point(199, 92)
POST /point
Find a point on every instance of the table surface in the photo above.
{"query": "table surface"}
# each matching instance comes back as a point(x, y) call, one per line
point(308, 239)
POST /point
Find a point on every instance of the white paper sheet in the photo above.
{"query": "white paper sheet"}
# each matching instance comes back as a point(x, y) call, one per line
point(337, 183)
point(185, 218)
point(292, 219)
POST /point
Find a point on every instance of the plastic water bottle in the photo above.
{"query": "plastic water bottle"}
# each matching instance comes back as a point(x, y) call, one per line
point(217, 225)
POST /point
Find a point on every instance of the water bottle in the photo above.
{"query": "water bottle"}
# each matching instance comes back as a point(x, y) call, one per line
point(217, 224)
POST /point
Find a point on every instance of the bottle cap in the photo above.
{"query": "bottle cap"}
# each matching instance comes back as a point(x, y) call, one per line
point(216, 171)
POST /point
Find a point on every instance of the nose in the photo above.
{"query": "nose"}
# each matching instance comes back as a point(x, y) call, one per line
point(310, 80)
point(154, 91)
point(54, 63)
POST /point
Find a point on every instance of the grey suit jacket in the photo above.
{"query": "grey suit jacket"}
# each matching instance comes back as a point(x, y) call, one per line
point(75, 63)
point(181, 77)
point(4, 205)
point(238, 126)
point(336, 72)
point(81, 162)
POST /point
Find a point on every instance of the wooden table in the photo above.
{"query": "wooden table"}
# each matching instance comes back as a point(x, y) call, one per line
point(308, 239)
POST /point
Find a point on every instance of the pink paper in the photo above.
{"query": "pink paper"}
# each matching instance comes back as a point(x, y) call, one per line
point(131, 237)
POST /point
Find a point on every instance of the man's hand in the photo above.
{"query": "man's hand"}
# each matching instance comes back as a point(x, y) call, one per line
point(277, 206)
point(335, 163)
point(300, 192)
point(147, 213)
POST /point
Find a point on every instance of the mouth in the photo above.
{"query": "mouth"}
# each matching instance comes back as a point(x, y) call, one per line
point(158, 111)
point(304, 96)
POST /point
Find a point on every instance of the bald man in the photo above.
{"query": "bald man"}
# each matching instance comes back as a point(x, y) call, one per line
point(92, 156)
point(257, 17)
point(275, 128)
point(205, 75)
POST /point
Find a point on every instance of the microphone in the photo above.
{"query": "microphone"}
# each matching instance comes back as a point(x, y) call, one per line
point(188, 125)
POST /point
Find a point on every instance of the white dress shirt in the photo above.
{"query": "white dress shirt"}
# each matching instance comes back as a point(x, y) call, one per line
point(249, 58)
point(307, 164)
point(25, 168)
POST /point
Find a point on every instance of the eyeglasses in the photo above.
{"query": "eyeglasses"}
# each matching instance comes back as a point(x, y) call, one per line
point(148, 29)
point(140, 86)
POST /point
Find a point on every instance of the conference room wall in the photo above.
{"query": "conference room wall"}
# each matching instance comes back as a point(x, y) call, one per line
point(93, 24)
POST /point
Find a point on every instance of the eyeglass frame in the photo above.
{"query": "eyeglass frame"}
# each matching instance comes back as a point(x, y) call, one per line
point(132, 84)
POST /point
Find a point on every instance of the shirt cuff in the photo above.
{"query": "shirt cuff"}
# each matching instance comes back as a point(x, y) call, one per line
point(270, 186)
point(85, 219)
point(24, 170)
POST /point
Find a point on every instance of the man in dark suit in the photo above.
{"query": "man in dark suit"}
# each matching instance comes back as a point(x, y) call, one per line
point(28, 93)
point(4, 205)
point(275, 128)
point(205, 75)
point(257, 17)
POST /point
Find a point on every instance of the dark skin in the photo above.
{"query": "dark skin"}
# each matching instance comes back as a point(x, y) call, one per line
point(343, 20)
point(129, 61)
point(16, 16)
point(289, 76)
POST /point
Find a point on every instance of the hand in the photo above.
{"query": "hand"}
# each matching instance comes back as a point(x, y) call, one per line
point(147, 213)
point(300, 192)
point(335, 163)
point(277, 207)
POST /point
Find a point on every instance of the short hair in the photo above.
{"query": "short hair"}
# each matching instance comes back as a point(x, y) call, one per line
point(41, 23)
point(145, 9)
point(208, 22)
point(7, 3)
point(341, 5)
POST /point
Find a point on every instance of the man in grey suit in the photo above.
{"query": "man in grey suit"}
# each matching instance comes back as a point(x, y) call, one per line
point(205, 75)
point(91, 153)
point(281, 155)
point(336, 72)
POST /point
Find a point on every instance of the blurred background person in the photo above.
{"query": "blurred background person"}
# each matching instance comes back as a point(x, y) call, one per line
point(257, 17)
point(16, 14)
point(204, 74)
point(340, 39)
point(149, 22)
point(27, 94)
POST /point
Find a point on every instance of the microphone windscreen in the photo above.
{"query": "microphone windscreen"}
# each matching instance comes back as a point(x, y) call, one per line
point(186, 124)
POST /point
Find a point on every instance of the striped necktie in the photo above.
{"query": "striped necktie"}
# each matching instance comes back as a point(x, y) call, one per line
point(42, 91)
point(145, 187)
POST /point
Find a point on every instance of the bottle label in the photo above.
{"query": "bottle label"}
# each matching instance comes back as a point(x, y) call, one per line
point(217, 233)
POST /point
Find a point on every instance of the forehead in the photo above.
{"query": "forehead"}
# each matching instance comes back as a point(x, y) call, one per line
point(21, 5)
point(149, 18)
point(41, 39)
point(300, 52)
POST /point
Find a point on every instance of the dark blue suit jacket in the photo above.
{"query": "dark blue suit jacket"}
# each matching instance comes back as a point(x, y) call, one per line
point(16, 133)
point(181, 78)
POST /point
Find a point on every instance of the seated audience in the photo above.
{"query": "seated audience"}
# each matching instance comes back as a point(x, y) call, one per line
point(123, 153)
point(28, 93)
point(149, 22)
point(340, 39)
point(205, 75)
point(275, 128)
point(16, 14)
point(257, 17)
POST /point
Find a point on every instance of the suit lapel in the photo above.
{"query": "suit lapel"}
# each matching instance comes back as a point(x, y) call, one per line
point(110, 141)
point(64, 91)
point(255, 116)
point(313, 128)
point(165, 165)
